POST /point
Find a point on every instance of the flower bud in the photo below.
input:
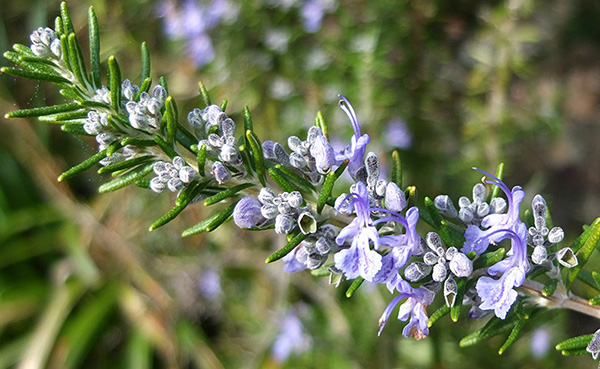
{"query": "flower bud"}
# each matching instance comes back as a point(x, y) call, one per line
point(157, 184)
point(187, 174)
point(284, 224)
point(539, 255)
point(479, 193)
point(445, 206)
point(556, 235)
point(294, 199)
point(247, 213)
point(266, 195)
point(439, 272)
point(323, 153)
point(395, 200)
point(461, 265)
point(175, 184)
point(416, 271)
point(221, 173)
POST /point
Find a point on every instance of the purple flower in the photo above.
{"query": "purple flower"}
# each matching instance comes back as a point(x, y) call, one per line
point(477, 239)
point(402, 248)
point(312, 12)
point(397, 134)
point(355, 152)
point(414, 307)
point(359, 259)
point(291, 338)
point(247, 213)
point(292, 265)
point(323, 153)
point(210, 284)
point(498, 294)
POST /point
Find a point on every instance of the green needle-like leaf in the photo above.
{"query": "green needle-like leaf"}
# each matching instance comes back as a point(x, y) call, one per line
point(354, 286)
point(322, 271)
point(461, 289)
point(139, 142)
point(583, 253)
point(257, 155)
point(512, 337)
point(75, 128)
point(435, 215)
point(94, 34)
point(223, 105)
point(125, 164)
point(165, 147)
point(115, 83)
point(579, 352)
point(438, 314)
point(204, 94)
point(575, 343)
point(45, 110)
point(493, 327)
point(488, 259)
point(127, 179)
point(549, 287)
point(396, 168)
point(594, 300)
point(82, 167)
point(171, 119)
point(66, 18)
point(183, 200)
point(145, 63)
point(499, 174)
point(287, 248)
point(77, 61)
point(144, 87)
point(201, 158)
point(211, 223)
point(296, 180)
point(280, 180)
point(328, 184)
point(226, 194)
point(321, 123)
point(36, 76)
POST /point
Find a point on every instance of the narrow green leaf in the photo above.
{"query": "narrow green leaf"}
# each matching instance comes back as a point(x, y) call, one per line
point(37, 76)
point(248, 126)
point(143, 183)
point(73, 94)
point(280, 180)
point(488, 259)
point(139, 142)
point(354, 286)
point(247, 160)
point(23, 50)
point(230, 192)
point(512, 337)
point(549, 287)
point(94, 35)
point(204, 94)
point(323, 271)
point(64, 45)
point(587, 278)
point(126, 179)
point(74, 128)
point(211, 223)
point(455, 232)
point(144, 87)
point(396, 168)
point(437, 315)
point(321, 123)
point(257, 154)
point(434, 213)
point(171, 119)
point(165, 147)
point(145, 63)
point(287, 248)
point(163, 82)
point(585, 250)
point(188, 194)
point(328, 184)
point(574, 343)
point(45, 110)
point(201, 158)
point(183, 200)
point(493, 327)
point(499, 174)
point(115, 83)
point(139, 351)
point(66, 18)
point(57, 118)
point(126, 164)
point(83, 166)
point(33, 60)
point(224, 105)
point(461, 289)
point(59, 28)
point(77, 61)
point(184, 137)
point(295, 179)
point(579, 352)
point(596, 277)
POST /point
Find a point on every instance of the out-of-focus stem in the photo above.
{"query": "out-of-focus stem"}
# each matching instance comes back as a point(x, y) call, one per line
point(560, 299)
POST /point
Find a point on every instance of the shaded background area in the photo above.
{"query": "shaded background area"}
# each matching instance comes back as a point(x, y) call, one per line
point(452, 85)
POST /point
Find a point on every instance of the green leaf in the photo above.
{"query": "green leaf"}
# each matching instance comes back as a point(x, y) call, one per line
point(201, 158)
point(493, 327)
point(127, 179)
point(437, 315)
point(549, 287)
point(45, 110)
point(321, 123)
point(287, 248)
point(171, 119)
point(575, 343)
point(596, 277)
point(73, 94)
point(230, 192)
point(223, 105)
point(280, 180)
point(126, 164)
point(453, 231)
point(489, 258)
point(461, 289)
point(139, 350)
point(328, 184)
point(296, 180)
point(396, 168)
point(248, 126)
point(64, 45)
point(94, 35)
point(66, 18)
point(322, 271)
point(204, 94)
point(257, 154)
point(512, 337)
point(115, 83)
point(75, 128)
point(165, 147)
point(37, 76)
point(435, 215)
point(183, 200)
point(144, 87)
point(211, 223)
point(499, 174)
point(145, 63)
point(590, 239)
point(595, 300)
point(163, 82)
point(579, 352)
point(354, 286)
point(83, 166)
point(139, 142)
point(77, 61)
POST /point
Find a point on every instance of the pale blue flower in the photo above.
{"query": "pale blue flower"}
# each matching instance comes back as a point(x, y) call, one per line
point(291, 338)
point(359, 259)
point(355, 152)
point(292, 265)
point(477, 239)
point(415, 308)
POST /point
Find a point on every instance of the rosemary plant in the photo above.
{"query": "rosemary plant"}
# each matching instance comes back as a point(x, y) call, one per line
point(485, 256)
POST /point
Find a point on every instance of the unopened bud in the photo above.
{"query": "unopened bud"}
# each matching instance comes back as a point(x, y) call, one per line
point(461, 265)
point(395, 200)
point(247, 213)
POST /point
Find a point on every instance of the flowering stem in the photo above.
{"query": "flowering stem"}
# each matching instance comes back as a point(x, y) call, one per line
point(560, 299)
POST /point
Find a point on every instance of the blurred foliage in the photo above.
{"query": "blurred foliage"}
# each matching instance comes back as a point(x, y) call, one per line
point(84, 284)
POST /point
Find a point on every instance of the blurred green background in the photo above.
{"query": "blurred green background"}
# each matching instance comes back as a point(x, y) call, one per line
point(452, 84)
